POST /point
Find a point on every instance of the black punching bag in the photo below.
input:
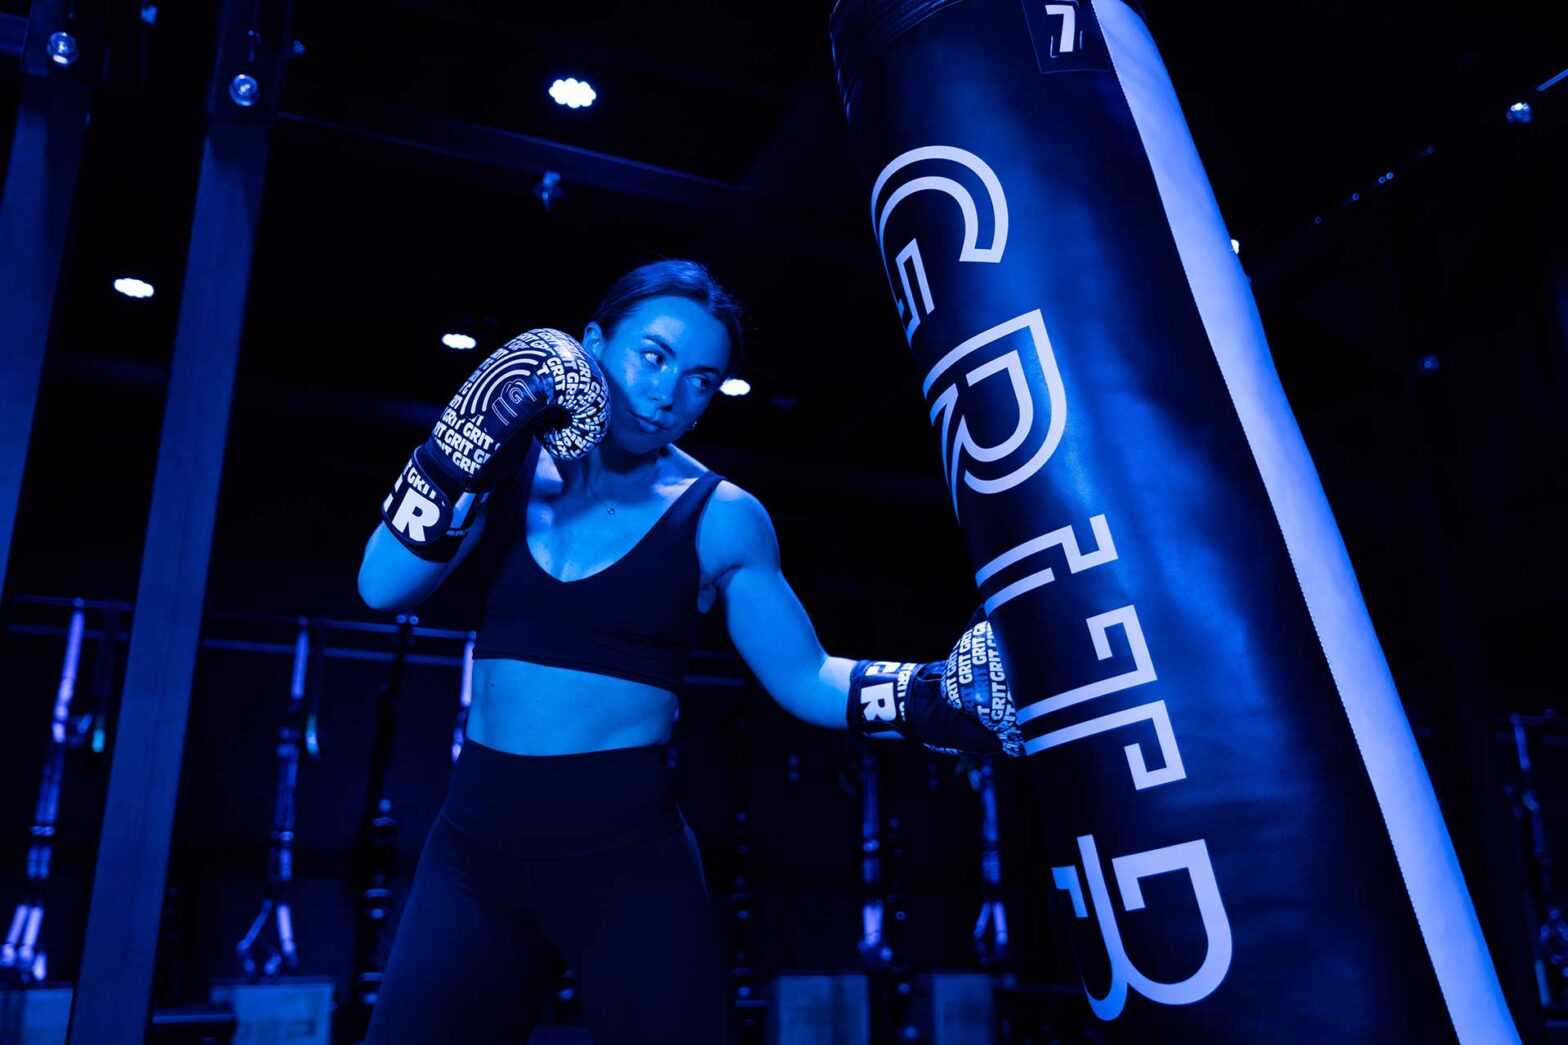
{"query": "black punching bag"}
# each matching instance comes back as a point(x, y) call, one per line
point(1242, 834)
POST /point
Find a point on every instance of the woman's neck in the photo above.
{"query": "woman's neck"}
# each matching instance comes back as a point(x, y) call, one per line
point(610, 471)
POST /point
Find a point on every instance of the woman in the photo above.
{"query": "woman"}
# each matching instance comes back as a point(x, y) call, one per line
point(560, 829)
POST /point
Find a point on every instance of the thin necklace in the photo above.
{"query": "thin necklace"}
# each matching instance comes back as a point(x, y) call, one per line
point(609, 508)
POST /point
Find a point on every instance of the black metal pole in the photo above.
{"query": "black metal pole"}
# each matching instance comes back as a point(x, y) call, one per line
point(59, 59)
point(115, 983)
point(376, 849)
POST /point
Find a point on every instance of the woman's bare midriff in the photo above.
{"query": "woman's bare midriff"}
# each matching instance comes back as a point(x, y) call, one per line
point(536, 709)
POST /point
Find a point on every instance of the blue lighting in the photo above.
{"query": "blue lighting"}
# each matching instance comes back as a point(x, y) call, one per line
point(1554, 81)
point(461, 342)
point(735, 387)
point(1431, 364)
point(133, 288)
point(62, 49)
point(573, 93)
point(243, 90)
point(1519, 112)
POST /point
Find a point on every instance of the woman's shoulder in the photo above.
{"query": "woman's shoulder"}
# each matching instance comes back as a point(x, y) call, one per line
point(679, 464)
point(735, 529)
point(684, 466)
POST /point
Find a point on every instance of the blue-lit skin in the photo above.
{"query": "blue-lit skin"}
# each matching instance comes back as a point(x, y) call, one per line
point(664, 362)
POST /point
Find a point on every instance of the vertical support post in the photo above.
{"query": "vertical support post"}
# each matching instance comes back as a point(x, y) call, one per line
point(116, 977)
point(122, 921)
point(35, 209)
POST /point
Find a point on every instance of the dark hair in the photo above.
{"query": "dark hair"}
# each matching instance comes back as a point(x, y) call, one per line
point(674, 277)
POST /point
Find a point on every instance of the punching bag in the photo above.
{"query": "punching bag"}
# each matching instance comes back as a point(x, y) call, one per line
point(1242, 836)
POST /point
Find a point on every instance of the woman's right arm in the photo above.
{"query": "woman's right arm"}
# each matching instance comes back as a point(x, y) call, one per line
point(392, 578)
point(531, 379)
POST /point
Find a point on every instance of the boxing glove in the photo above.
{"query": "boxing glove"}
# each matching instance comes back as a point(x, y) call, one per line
point(962, 704)
point(542, 384)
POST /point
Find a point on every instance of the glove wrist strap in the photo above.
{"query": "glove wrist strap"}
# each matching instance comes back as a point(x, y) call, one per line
point(428, 511)
point(893, 699)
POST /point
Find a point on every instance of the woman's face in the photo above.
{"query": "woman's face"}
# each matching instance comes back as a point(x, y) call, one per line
point(664, 362)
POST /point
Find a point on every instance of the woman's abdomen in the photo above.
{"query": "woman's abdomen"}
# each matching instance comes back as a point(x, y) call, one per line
point(538, 709)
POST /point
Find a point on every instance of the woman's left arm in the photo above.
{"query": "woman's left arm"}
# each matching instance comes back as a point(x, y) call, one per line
point(766, 621)
point(968, 708)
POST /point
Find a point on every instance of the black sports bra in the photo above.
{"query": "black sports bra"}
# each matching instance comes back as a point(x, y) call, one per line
point(636, 619)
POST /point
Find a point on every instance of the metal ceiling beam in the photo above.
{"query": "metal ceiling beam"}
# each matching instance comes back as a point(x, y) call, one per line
point(796, 227)
point(494, 147)
point(13, 35)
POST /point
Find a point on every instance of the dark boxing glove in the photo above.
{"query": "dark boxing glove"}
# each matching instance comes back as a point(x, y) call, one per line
point(541, 383)
point(960, 705)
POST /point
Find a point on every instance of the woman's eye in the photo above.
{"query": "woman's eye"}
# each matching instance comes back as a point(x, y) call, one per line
point(652, 356)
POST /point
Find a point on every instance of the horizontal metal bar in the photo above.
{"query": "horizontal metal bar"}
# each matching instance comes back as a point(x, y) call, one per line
point(13, 34)
point(281, 619)
point(495, 147)
point(346, 653)
point(797, 226)
point(1549, 722)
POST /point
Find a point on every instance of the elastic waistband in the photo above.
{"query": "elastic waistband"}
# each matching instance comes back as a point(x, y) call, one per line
point(534, 806)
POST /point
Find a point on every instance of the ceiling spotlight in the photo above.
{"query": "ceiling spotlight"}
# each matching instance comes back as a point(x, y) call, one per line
point(735, 387)
point(573, 93)
point(1431, 364)
point(133, 288)
point(1519, 112)
point(461, 342)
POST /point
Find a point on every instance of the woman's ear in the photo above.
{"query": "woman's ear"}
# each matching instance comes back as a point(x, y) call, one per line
point(593, 339)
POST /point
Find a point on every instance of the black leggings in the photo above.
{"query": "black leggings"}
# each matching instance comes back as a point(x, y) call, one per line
point(586, 854)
